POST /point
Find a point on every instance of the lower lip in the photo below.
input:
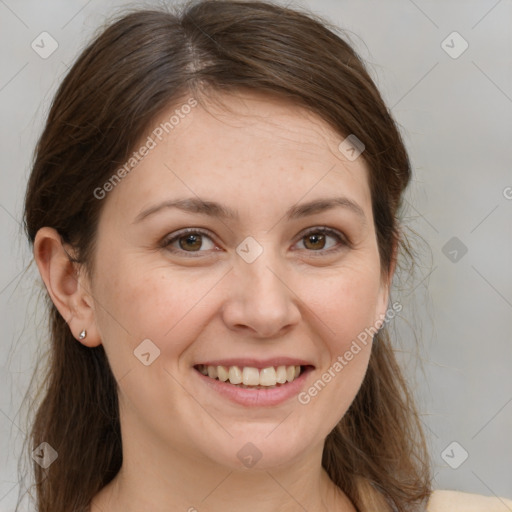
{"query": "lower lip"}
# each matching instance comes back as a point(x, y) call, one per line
point(257, 397)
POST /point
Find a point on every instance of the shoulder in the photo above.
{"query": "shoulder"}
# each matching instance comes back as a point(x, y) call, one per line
point(455, 501)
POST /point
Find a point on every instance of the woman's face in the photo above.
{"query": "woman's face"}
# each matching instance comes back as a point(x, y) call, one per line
point(255, 283)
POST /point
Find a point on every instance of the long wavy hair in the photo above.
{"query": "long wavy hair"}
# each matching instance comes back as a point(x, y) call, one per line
point(136, 67)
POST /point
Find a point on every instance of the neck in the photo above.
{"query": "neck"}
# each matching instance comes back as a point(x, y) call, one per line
point(158, 478)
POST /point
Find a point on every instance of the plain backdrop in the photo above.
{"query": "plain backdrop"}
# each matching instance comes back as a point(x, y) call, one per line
point(445, 70)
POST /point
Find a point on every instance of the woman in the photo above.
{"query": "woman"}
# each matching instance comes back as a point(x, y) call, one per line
point(214, 210)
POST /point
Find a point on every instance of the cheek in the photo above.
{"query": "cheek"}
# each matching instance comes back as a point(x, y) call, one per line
point(345, 314)
point(347, 305)
point(142, 302)
point(146, 304)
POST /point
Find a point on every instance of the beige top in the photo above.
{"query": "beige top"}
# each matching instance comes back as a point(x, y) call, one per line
point(455, 501)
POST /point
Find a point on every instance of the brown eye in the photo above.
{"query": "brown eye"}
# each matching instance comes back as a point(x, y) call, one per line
point(193, 242)
point(316, 240)
point(188, 241)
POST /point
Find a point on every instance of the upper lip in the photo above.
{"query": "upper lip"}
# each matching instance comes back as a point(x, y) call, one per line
point(256, 363)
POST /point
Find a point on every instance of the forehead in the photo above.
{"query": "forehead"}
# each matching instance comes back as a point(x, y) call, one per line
point(240, 144)
point(276, 124)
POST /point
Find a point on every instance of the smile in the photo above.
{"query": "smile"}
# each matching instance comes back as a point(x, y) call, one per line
point(251, 377)
point(254, 382)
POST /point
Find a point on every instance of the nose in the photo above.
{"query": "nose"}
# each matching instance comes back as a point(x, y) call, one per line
point(260, 299)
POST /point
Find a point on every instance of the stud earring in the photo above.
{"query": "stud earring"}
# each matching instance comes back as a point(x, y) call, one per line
point(83, 334)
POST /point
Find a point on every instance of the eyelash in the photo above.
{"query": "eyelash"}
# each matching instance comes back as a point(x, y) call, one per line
point(343, 241)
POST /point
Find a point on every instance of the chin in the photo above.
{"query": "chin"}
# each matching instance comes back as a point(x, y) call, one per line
point(259, 449)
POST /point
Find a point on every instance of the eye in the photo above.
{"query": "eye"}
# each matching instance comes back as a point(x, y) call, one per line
point(188, 240)
point(315, 239)
point(191, 240)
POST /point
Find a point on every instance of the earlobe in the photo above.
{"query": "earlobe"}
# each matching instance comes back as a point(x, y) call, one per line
point(66, 287)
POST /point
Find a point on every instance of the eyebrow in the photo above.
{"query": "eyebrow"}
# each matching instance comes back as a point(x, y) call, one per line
point(214, 209)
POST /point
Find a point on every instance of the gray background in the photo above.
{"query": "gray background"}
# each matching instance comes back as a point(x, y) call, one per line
point(456, 118)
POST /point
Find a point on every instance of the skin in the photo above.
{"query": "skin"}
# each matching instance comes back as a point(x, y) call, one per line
point(298, 299)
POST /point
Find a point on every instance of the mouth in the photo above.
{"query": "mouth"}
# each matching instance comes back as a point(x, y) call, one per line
point(251, 377)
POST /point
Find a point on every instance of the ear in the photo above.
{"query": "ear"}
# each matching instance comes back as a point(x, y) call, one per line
point(383, 299)
point(67, 286)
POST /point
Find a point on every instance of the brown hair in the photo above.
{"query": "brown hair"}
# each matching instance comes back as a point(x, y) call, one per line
point(133, 70)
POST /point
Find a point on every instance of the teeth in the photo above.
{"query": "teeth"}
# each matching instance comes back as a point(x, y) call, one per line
point(281, 374)
point(268, 377)
point(249, 376)
point(235, 375)
point(222, 373)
